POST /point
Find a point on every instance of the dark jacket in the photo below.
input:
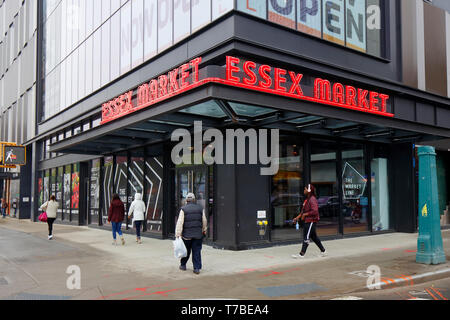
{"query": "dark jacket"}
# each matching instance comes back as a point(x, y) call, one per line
point(116, 211)
point(193, 226)
point(311, 210)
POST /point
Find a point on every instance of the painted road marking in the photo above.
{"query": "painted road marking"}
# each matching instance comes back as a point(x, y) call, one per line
point(280, 272)
point(387, 281)
point(438, 293)
point(129, 291)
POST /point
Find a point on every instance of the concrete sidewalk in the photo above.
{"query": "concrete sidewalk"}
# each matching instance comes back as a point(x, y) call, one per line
point(342, 270)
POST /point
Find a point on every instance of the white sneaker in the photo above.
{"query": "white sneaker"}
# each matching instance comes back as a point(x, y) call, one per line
point(50, 237)
point(297, 256)
point(324, 254)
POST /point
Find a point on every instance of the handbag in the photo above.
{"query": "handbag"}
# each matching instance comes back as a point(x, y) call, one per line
point(43, 217)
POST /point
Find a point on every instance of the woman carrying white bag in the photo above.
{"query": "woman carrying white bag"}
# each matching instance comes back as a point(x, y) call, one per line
point(137, 209)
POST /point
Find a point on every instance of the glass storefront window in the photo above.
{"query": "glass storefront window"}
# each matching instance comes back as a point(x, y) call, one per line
point(94, 194)
point(324, 178)
point(380, 191)
point(53, 182)
point(287, 191)
point(121, 178)
point(67, 192)
point(153, 197)
point(75, 193)
point(59, 189)
point(136, 179)
point(40, 189)
point(107, 186)
point(46, 186)
point(354, 189)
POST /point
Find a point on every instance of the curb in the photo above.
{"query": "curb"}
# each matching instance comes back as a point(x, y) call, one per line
point(404, 280)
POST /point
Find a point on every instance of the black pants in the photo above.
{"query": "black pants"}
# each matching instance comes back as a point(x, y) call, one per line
point(138, 225)
point(194, 245)
point(50, 225)
point(309, 233)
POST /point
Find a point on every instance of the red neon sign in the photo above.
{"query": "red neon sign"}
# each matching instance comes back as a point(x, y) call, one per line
point(324, 91)
point(157, 90)
point(283, 83)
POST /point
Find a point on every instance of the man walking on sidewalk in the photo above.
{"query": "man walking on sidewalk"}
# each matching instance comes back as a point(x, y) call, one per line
point(191, 226)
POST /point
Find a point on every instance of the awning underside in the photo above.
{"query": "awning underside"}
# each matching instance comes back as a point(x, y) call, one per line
point(221, 114)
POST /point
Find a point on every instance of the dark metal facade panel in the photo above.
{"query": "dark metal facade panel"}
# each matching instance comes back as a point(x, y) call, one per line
point(425, 113)
point(443, 117)
point(404, 109)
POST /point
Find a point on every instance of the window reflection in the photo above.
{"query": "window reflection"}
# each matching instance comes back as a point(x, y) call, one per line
point(287, 191)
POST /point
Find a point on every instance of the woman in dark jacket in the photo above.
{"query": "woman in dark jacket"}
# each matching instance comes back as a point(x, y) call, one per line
point(116, 214)
point(310, 214)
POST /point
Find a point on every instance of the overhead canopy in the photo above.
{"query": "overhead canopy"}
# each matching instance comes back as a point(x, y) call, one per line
point(219, 114)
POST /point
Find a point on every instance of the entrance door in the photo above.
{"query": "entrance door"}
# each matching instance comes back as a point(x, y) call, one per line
point(192, 180)
point(324, 176)
point(355, 189)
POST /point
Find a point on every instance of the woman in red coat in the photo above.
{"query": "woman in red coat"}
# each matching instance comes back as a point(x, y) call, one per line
point(116, 214)
point(310, 214)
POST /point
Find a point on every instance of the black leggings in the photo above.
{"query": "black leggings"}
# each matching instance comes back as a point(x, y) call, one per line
point(50, 225)
point(309, 232)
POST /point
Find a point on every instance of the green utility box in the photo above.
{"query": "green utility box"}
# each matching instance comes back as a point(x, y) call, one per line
point(429, 244)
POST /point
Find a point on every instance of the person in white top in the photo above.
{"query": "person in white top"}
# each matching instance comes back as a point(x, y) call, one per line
point(137, 209)
point(51, 208)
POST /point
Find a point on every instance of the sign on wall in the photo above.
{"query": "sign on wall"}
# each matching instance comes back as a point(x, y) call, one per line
point(251, 76)
point(309, 19)
point(356, 25)
point(353, 183)
point(282, 12)
point(334, 21)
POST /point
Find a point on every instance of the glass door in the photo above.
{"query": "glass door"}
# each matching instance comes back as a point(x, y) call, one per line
point(197, 180)
point(324, 177)
point(192, 181)
point(355, 189)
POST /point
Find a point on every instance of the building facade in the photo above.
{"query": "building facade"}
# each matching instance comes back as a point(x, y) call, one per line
point(18, 61)
point(351, 87)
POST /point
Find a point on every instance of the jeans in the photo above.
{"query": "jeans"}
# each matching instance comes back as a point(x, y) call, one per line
point(50, 225)
point(116, 227)
point(194, 245)
point(4, 212)
point(309, 232)
point(138, 228)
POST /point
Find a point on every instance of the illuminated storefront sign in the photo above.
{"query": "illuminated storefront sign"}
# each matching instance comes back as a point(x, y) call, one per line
point(247, 75)
point(288, 83)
